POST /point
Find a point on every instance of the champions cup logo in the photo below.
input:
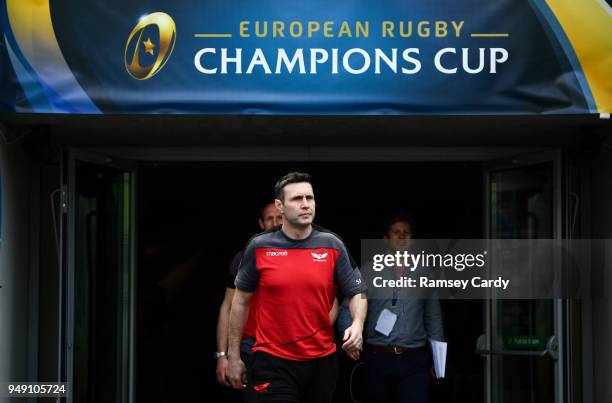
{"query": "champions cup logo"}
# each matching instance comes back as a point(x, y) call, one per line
point(156, 44)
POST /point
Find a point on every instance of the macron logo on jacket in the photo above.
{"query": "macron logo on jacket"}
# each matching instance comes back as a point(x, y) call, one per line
point(277, 253)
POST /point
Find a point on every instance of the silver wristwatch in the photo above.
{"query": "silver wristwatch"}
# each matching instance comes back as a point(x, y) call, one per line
point(219, 354)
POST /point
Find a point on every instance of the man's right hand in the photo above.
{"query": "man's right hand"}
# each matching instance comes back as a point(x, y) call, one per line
point(222, 371)
point(236, 373)
point(353, 340)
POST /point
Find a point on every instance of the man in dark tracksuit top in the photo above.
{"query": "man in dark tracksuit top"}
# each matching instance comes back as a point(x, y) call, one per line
point(270, 217)
point(295, 270)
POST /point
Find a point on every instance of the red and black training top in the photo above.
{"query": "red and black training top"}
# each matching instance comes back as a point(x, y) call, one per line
point(296, 285)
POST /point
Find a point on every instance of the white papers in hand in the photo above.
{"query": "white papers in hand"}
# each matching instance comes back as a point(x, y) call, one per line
point(438, 349)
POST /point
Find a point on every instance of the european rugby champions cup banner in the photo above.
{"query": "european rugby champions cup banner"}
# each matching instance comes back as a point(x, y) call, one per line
point(306, 57)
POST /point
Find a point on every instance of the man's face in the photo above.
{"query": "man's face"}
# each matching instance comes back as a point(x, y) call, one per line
point(399, 235)
point(270, 217)
point(299, 206)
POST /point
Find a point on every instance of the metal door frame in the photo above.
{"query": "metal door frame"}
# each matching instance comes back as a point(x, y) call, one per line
point(559, 306)
point(69, 158)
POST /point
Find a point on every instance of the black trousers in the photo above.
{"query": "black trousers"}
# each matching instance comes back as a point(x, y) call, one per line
point(402, 378)
point(248, 395)
point(276, 379)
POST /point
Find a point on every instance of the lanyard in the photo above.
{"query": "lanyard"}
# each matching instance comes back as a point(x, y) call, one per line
point(395, 296)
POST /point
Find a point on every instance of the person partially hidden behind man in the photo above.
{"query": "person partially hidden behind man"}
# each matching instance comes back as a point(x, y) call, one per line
point(270, 217)
point(295, 270)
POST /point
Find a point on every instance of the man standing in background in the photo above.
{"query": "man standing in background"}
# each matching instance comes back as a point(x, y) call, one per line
point(270, 217)
point(397, 361)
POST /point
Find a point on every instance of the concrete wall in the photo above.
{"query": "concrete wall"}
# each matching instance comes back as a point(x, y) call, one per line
point(17, 314)
point(601, 227)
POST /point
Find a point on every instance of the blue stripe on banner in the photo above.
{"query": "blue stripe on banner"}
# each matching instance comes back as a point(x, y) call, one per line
point(42, 97)
point(543, 11)
point(26, 76)
point(30, 86)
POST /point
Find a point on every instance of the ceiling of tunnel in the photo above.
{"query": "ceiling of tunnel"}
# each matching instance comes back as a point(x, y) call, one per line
point(355, 131)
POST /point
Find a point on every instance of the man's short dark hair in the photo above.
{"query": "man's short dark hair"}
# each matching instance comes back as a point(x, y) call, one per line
point(291, 177)
point(263, 207)
point(401, 216)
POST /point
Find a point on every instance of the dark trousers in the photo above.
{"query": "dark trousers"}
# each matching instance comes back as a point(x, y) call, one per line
point(276, 379)
point(248, 395)
point(398, 378)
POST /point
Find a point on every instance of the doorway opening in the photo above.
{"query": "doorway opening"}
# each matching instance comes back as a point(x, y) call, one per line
point(193, 217)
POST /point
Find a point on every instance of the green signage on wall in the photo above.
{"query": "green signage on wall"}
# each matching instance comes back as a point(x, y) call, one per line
point(525, 342)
